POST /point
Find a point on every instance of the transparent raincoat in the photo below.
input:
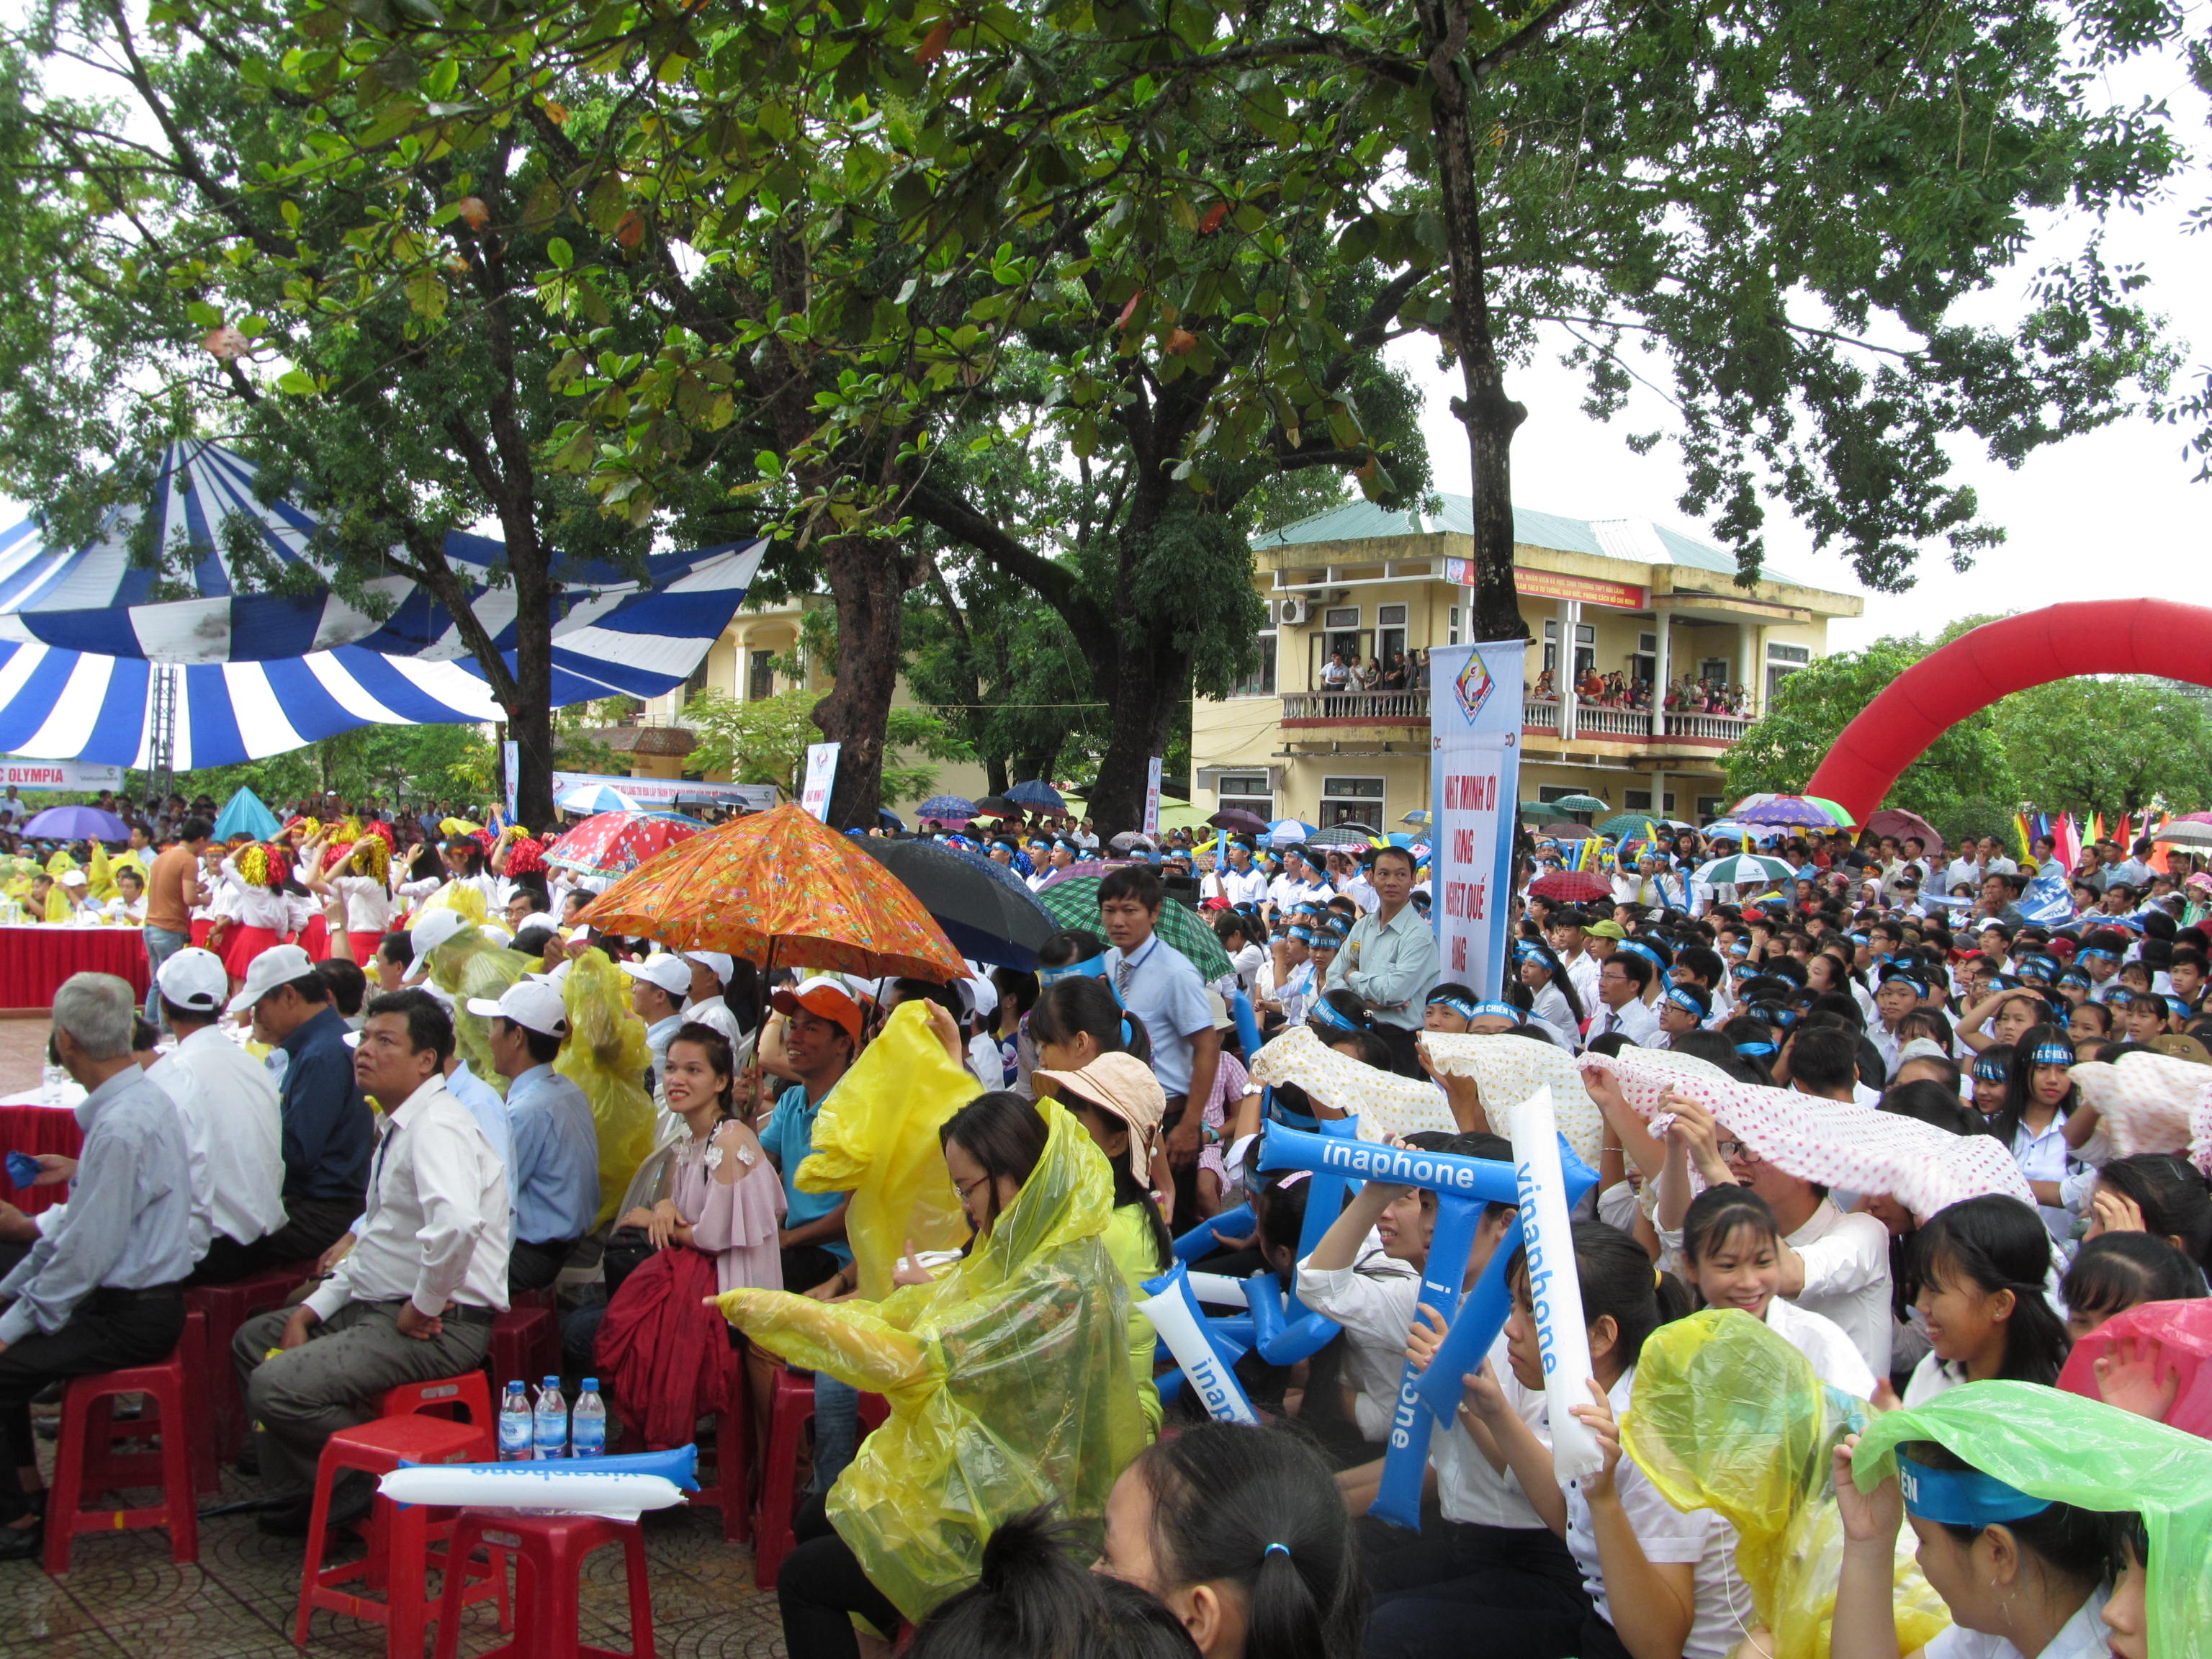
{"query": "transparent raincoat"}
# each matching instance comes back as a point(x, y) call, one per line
point(1727, 1416)
point(1008, 1381)
point(606, 1056)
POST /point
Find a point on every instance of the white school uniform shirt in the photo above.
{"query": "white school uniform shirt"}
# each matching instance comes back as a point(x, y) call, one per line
point(2081, 1637)
point(1847, 1280)
point(1551, 1008)
point(2046, 1156)
point(1582, 973)
point(1667, 1536)
point(1469, 1489)
point(254, 905)
point(1633, 1020)
point(1245, 886)
point(369, 904)
point(1361, 891)
point(437, 1226)
point(233, 1137)
point(1835, 1359)
point(1374, 1300)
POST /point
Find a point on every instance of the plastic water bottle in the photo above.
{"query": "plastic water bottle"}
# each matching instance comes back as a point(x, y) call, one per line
point(515, 1424)
point(552, 1439)
point(587, 1436)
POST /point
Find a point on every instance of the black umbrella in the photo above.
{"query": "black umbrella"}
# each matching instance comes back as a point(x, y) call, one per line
point(984, 907)
point(1236, 820)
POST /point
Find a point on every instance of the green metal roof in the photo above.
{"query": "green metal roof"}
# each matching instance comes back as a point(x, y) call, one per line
point(1362, 520)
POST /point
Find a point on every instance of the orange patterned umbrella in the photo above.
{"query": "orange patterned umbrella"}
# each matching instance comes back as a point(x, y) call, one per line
point(781, 891)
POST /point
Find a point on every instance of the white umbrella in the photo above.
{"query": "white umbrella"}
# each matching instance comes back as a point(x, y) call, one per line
point(596, 798)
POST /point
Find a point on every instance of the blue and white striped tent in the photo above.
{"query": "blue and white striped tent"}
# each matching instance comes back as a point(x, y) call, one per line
point(84, 631)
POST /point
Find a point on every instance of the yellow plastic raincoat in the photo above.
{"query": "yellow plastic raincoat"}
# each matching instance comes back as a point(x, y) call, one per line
point(607, 1056)
point(1727, 1416)
point(470, 965)
point(1008, 1381)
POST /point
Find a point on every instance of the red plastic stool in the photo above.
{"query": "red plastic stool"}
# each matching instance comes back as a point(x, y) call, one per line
point(526, 1343)
point(225, 1308)
point(85, 1459)
point(790, 1410)
point(468, 1392)
point(730, 1488)
point(404, 1539)
point(549, 1552)
point(543, 1297)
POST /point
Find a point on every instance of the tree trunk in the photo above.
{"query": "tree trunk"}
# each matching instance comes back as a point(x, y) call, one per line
point(1490, 416)
point(1152, 683)
point(868, 580)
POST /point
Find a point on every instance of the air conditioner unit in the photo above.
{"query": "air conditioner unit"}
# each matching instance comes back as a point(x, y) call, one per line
point(1292, 612)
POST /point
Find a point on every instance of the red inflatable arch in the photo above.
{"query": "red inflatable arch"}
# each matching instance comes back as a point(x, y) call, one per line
point(2098, 637)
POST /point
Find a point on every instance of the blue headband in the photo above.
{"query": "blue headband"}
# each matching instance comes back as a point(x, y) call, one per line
point(1754, 1049)
point(1899, 976)
point(1305, 933)
point(1328, 1013)
point(1094, 969)
point(1461, 1005)
point(1526, 951)
point(2054, 1053)
point(2177, 1008)
point(1785, 1018)
point(1962, 1498)
point(2074, 976)
point(2109, 956)
point(1499, 1010)
point(1991, 1071)
point(1645, 951)
point(1686, 1001)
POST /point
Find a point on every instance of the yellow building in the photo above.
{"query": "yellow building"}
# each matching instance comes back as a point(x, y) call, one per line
point(743, 663)
point(1631, 597)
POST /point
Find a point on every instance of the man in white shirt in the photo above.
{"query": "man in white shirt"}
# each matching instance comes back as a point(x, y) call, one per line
point(1620, 1006)
point(233, 1129)
point(415, 1299)
point(1564, 933)
point(1298, 884)
point(660, 987)
point(710, 977)
point(1350, 880)
point(1240, 884)
point(2136, 872)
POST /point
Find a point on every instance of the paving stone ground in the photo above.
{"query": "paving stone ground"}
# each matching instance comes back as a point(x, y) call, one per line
point(123, 1598)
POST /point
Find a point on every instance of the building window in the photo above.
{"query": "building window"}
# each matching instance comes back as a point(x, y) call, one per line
point(1585, 648)
point(1783, 661)
point(1261, 682)
point(1714, 669)
point(760, 683)
point(1247, 793)
point(697, 682)
point(1640, 800)
point(1454, 626)
point(1389, 633)
point(1344, 615)
point(1709, 807)
point(1351, 800)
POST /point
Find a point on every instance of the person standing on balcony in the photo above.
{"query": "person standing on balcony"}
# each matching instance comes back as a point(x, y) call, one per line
point(1335, 677)
point(1416, 673)
point(1391, 962)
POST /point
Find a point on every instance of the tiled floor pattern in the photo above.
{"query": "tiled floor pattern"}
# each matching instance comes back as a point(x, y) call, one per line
point(123, 1598)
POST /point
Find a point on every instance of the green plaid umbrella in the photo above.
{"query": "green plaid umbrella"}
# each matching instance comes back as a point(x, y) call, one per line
point(1073, 902)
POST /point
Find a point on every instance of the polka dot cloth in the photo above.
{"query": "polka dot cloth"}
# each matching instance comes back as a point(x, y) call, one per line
point(1508, 1070)
point(1386, 1104)
point(1835, 1143)
point(2145, 1101)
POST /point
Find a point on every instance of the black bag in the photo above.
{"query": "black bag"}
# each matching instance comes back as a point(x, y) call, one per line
point(627, 1249)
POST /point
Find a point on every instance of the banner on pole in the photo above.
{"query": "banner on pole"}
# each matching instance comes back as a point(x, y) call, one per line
point(510, 765)
point(57, 774)
point(1474, 777)
point(1152, 798)
point(821, 775)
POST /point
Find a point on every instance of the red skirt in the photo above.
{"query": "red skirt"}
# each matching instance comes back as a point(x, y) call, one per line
point(246, 944)
point(314, 938)
point(364, 947)
point(202, 926)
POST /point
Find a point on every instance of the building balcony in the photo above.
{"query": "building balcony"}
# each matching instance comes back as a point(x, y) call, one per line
point(1313, 714)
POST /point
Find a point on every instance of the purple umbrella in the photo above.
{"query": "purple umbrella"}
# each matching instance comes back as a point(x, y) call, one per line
point(77, 824)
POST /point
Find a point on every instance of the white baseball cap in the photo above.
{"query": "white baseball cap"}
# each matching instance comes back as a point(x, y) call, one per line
point(194, 979)
point(530, 1002)
point(558, 977)
point(982, 996)
point(671, 973)
point(441, 925)
point(715, 961)
point(73, 878)
point(280, 964)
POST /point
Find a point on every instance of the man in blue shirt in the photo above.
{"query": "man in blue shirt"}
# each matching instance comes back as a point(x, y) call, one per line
point(659, 987)
point(103, 1290)
point(329, 1131)
point(821, 1033)
point(554, 1172)
point(1161, 987)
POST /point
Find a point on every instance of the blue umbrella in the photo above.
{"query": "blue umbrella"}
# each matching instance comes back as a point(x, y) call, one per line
point(1036, 793)
point(596, 798)
point(890, 819)
point(953, 809)
point(78, 823)
point(1288, 832)
point(243, 814)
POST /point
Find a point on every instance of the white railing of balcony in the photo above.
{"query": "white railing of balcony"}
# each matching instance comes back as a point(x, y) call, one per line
point(1724, 728)
point(1597, 720)
point(1540, 716)
point(1377, 706)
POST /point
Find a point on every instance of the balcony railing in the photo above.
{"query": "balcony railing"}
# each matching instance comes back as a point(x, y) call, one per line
point(1725, 728)
point(1539, 716)
point(1594, 720)
point(1370, 708)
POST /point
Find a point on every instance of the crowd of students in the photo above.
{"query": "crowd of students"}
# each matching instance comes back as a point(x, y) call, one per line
point(1111, 1104)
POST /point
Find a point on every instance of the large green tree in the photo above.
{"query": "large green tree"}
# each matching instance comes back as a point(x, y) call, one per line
point(2106, 745)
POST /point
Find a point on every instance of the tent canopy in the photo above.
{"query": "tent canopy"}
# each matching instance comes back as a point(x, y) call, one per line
point(82, 629)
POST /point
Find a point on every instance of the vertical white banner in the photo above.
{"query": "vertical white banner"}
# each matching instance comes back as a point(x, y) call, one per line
point(1152, 798)
point(821, 773)
point(1555, 1286)
point(1474, 777)
point(510, 763)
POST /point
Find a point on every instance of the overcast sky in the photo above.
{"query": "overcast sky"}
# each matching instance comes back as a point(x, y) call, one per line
point(2107, 515)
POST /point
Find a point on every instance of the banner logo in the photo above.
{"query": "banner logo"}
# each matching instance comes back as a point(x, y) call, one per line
point(1473, 685)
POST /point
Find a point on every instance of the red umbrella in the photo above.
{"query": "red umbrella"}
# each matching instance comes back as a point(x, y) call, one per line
point(616, 843)
point(1572, 886)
